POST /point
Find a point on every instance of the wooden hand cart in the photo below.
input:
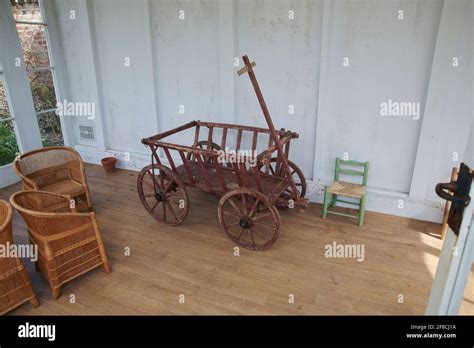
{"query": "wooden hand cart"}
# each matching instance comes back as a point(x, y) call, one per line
point(250, 188)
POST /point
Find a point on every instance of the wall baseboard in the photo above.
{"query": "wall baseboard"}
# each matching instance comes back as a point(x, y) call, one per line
point(381, 201)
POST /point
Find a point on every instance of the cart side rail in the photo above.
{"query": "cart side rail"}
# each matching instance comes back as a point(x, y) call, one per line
point(154, 138)
point(197, 124)
point(263, 157)
point(280, 132)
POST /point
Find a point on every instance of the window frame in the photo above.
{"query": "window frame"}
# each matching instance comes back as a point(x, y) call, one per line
point(11, 116)
point(51, 68)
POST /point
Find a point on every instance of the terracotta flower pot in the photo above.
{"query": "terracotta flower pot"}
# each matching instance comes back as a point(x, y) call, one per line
point(109, 164)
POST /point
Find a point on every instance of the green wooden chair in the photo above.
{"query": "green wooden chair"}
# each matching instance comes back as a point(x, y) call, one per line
point(347, 189)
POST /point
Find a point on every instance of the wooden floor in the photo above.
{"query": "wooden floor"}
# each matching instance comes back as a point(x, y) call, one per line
point(197, 260)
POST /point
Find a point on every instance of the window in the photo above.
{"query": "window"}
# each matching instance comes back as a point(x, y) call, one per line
point(8, 142)
point(32, 31)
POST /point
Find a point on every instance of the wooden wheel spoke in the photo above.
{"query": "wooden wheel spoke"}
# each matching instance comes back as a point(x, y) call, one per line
point(153, 180)
point(244, 203)
point(252, 237)
point(231, 214)
point(162, 184)
point(156, 204)
point(261, 216)
point(260, 234)
point(265, 225)
point(176, 205)
point(254, 208)
point(148, 183)
point(168, 185)
point(172, 210)
point(240, 234)
point(233, 224)
point(164, 212)
point(149, 195)
point(232, 203)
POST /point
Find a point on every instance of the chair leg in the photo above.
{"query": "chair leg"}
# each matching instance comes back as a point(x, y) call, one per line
point(333, 201)
point(89, 203)
point(34, 302)
point(106, 267)
point(56, 293)
point(325, 204)
point(362, 210)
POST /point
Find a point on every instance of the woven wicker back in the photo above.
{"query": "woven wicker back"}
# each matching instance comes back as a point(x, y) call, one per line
point(47, 214)
point(5, 222)
point(49, 165)
point(48, 157)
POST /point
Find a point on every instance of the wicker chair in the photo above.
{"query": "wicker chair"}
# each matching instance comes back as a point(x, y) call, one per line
point(69, 243)
point(15, 285)
point(56, 169)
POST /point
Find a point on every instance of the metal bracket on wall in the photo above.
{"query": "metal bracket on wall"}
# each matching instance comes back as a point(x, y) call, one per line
point(459, 198)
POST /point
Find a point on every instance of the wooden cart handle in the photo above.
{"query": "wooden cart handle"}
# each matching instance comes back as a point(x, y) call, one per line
point(244, 69)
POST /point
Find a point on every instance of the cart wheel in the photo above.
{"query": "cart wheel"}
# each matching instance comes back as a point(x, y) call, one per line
point(297, 174)
point(163, 195)
point(249, 219)
point(203, 145)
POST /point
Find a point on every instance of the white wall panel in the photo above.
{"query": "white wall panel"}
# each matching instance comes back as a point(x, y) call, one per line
point(73, 22)
point(388, 58)
point(186, 62)
point(287, 53)
point(449, 108)
point(121, 33)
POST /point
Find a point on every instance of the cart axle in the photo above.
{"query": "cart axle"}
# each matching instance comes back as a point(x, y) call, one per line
point(160, 196)
point(245, 222)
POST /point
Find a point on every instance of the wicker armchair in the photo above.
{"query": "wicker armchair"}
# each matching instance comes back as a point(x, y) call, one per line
point(15, 285)
point(69, 243)
point(56, 169)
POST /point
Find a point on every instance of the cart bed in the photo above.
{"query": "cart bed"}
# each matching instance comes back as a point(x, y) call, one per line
point(272, 186)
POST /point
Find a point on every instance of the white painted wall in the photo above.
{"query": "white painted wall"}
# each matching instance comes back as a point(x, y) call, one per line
point(287, 52)
point(449, 105)
point(299, 62)
point(125, 71)
point(186, 56)
point(388, 58)
point(469, 154)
